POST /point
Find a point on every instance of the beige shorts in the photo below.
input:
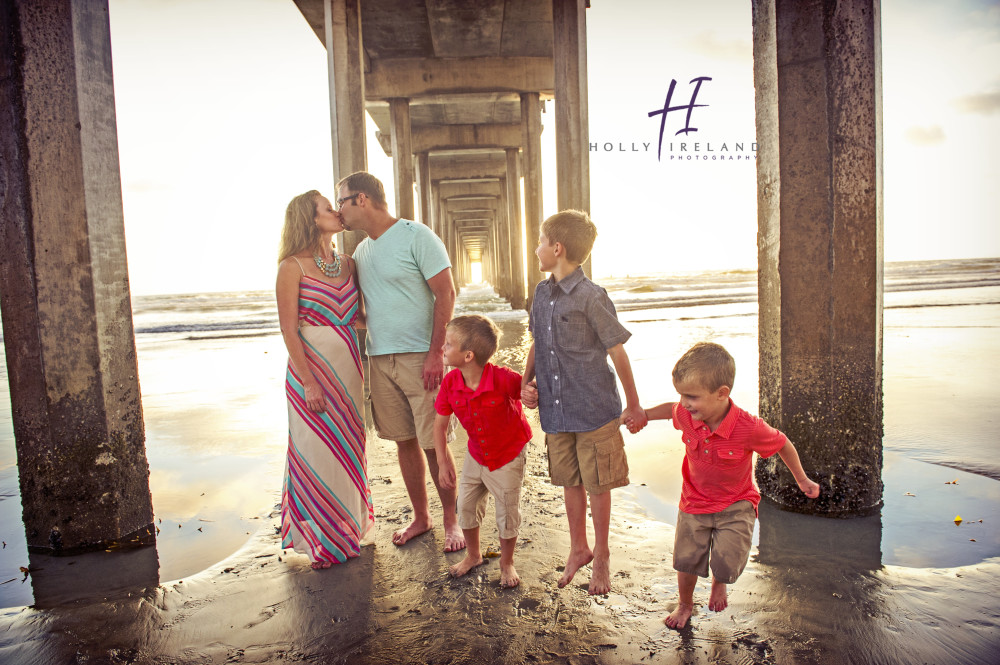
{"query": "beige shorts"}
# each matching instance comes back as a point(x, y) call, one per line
point(504, 484)
point(594, 459)
point(401, 408)
point(721, 540)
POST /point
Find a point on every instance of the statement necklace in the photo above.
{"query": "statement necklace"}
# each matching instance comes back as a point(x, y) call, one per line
point(329, 269)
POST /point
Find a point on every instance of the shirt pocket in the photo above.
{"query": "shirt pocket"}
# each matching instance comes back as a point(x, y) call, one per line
point(731, 455)
point(573, 332)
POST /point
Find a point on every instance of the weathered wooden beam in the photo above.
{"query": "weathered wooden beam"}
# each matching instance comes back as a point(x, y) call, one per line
point(413, 77)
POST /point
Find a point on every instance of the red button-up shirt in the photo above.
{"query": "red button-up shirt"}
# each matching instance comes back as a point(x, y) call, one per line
point(491, 413)
point(718, 466)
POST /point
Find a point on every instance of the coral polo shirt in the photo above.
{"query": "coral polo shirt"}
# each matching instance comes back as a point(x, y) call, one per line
point(491, 413)
point(718, 466)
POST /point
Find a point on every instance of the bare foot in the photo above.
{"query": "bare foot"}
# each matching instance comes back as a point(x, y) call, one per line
point(508, 577)
point(600, 578)
point(320, 565)
point(464, 566)
point(415, 529)
point(454, 539)
point(719, 599)
point(575, 562)
point(680, 617)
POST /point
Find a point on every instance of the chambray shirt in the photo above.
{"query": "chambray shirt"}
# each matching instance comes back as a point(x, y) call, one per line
point(574, 323)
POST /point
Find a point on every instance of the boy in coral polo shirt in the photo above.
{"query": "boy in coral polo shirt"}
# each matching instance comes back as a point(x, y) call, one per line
point(486, 399)
point(719, 499)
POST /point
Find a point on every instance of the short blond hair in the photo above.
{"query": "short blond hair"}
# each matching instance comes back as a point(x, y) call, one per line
point(367, 184)
point(574, 230)
point(476, 333)
point(707, 363)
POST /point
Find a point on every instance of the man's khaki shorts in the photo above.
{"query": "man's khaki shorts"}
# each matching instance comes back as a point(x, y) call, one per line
point(401, 408)
point(721, 540)
point(477, 482)
point(593, 459)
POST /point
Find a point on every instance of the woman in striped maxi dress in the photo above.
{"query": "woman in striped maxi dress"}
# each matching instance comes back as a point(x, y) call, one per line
point(326, 506)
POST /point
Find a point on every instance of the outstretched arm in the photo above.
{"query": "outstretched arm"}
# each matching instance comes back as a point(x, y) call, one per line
point(663, 411)
point(790, 457)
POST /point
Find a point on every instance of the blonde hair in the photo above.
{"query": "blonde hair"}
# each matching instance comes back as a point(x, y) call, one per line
point(300, 231)
point(574, 230)
point(478, 334)
point(707, 363)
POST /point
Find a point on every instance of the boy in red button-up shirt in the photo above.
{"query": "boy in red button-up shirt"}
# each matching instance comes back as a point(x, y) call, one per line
point(719, 498)
point(486, 399)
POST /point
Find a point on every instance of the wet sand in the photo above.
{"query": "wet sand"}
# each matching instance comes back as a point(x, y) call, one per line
point(908, 586)
point(815, 591)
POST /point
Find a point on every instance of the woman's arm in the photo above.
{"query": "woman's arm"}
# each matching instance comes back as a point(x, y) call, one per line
point(287, 295)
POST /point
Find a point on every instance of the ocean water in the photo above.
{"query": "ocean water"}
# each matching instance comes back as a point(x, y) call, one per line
point(212, 366)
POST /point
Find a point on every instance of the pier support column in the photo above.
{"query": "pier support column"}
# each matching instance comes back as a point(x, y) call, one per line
point(67, 318)
point(435, 209)
point(503, 242)
point(531, 131)
point(402, 156)
point(517, 296)
point(424, 188)
point(817, 72)
point(342, 20)
point(569, 29)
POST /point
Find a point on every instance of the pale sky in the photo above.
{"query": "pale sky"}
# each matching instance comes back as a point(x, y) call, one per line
point(223, 117)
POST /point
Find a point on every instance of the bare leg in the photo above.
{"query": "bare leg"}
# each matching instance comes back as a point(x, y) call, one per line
point(454, 539)
point(685, 605)
point(719, 599)
point(600, 511)
point(508, 576)
point(473, 556)
point(411, 465)
point(579, 550)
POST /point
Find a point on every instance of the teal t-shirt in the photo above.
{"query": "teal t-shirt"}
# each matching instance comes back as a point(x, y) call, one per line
point(393, 272)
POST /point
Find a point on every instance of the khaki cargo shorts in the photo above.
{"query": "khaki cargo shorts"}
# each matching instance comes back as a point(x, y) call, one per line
point(593, 459)
point(718, 540)
point(401, 408)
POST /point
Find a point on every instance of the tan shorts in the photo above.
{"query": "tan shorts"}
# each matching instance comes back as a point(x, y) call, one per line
point(504, 484)
point(594, 459)
point(721, 540)
point(401, 408)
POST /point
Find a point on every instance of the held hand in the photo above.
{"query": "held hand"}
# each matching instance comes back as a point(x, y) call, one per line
point(809, 488)
point(433, 371)
point(634, 418)
point(314, 397)
point(529, 395)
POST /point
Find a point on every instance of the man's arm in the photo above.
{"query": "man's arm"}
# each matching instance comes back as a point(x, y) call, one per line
point(633, 415)
point(443, 289)
point(790, 457)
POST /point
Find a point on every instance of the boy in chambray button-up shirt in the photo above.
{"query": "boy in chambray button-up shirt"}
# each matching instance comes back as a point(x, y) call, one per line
point(575, 328)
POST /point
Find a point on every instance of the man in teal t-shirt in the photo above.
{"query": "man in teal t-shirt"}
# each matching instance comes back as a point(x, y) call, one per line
point(405, 278)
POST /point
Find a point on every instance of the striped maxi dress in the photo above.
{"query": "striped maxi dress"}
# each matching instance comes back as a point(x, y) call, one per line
point(326, 504)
